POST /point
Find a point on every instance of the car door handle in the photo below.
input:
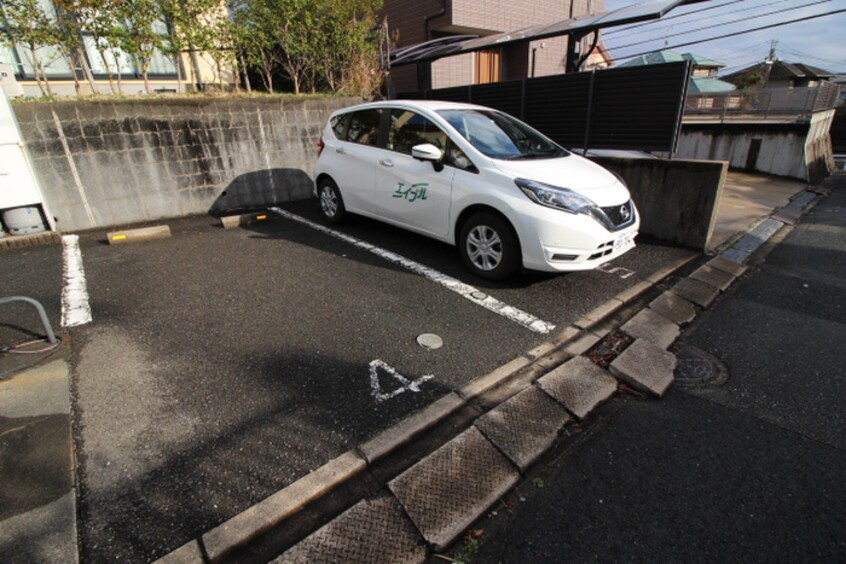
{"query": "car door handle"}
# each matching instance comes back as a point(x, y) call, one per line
point(340, 151)
point(387, 163)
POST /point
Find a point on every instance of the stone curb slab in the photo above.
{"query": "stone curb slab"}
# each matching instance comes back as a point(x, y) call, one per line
point(404, 431)
point(524, 427)
point(726, 265)
point(360, 534)
point(579, 385)
point(138, 235)
point(449, 489)
point(653, 327)
point(646, 367)
point(492, 379)
point(598, 313)
point(713, 277)
point(251, 523)
point(673, 307)
point(700, 293)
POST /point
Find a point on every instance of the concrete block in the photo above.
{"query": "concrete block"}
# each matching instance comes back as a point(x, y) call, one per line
point(596, 314)
point(726, 265)
point(373, 530)
point(409, 428)
point(579, 385)
point(713, 277)
point(653, 327)
point(449, 489)
point(567, 334)
point(634, 292)
point(140, 234)
point(188, 553)
point(700, 293)
point(492, 379)
point(662, 273)
point(673, 307)
point(645, 367)
point(524, 427)
point(232, 221)
point(541, 350)
point(261, 517)
point(582, 344)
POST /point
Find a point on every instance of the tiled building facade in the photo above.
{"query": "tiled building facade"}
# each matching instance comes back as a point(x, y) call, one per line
point(417, 21)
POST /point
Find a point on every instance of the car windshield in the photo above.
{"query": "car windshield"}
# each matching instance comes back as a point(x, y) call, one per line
point(500, 136)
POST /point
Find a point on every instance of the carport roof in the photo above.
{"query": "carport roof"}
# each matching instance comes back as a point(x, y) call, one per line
point(448, 46)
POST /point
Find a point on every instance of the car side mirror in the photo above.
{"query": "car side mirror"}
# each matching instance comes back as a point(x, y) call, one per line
point(428, 152)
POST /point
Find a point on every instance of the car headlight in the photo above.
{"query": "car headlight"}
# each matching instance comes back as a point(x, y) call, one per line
point(555, 197)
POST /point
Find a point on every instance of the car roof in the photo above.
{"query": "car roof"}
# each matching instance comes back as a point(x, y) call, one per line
point(432, 105)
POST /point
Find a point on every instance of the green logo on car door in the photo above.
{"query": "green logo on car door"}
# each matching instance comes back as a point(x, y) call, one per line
point(412, 192)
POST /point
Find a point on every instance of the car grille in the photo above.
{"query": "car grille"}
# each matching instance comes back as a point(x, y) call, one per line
point(620, 216)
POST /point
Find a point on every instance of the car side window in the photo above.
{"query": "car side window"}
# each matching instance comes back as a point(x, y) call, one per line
point(340, 124)
point(409, 129)
point(364, 127)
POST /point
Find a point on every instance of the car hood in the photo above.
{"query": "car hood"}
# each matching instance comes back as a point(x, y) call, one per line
point(572, 172)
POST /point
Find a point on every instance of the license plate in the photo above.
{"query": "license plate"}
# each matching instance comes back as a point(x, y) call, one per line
point(624, 241)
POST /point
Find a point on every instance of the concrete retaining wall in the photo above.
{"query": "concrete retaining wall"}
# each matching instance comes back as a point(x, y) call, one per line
point(125, 161)
point(677, 199)
point(794, 150)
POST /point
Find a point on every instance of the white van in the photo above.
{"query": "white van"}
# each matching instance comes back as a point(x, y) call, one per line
point(477, 178)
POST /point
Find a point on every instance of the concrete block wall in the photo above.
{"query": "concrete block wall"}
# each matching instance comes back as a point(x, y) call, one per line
point(677, 199)
point(115, 162)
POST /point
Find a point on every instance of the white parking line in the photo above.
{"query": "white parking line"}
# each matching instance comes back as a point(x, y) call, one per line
point(473, 294)
point(75, 308)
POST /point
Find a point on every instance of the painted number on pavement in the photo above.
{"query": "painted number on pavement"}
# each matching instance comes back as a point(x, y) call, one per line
point(405, 384)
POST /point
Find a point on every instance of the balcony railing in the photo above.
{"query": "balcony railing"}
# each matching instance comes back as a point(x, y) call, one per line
point(782, 104)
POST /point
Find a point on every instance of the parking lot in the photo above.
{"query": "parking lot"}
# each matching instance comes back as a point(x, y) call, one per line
point(222, 365)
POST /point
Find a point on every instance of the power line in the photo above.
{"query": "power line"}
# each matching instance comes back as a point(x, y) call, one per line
point(721, 24)
point(802, 54)
point(735, 34)
point(653, 29)
point(673, 17)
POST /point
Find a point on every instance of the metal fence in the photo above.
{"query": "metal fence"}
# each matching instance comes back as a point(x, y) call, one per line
point(772, 104)
point(637, 108)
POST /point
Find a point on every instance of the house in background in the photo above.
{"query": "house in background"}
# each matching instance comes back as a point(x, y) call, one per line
point(779, 74)
point(412, 22)
point(703, 79)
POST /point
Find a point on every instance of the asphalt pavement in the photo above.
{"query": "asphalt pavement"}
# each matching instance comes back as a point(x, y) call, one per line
point(746, 467)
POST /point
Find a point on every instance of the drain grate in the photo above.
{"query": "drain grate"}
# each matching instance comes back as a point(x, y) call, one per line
point(696, 367)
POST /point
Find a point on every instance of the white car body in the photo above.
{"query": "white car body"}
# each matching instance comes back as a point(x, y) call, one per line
point(550, 239)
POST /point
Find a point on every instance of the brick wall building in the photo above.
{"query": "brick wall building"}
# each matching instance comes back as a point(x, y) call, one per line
point(416, 21)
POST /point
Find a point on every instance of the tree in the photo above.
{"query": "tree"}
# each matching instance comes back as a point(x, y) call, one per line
point(25, 22)
point(189, 22)
point(103, 20)
point(139, 37)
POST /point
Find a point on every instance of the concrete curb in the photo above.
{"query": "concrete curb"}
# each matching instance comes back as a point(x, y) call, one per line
point(511, 379)
point(233, 221)
point(34, 240)
point(138, 235)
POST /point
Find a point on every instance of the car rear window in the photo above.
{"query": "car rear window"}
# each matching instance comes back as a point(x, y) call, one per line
point(364, 127)
point(340, 124)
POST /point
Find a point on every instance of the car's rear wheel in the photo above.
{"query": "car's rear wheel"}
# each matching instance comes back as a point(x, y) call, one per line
point(331, 202)
point(489, 246)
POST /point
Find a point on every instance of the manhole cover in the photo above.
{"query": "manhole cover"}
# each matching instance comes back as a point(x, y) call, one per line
point(695, 366)
point(430, 341)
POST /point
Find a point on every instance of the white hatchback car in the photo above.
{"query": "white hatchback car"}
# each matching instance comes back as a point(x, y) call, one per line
point(477, 178)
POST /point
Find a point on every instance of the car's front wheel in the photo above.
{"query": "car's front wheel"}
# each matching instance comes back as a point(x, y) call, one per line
point(489, 246)
point(331, 202)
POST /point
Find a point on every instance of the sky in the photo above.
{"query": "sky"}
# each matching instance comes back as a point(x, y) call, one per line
point(818, 42)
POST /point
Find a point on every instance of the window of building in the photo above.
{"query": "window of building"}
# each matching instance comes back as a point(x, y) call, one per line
point(488, 65)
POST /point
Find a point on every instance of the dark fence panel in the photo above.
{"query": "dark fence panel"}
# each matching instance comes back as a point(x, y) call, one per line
point(504, 96)
point(637, 108)
point(558, 106)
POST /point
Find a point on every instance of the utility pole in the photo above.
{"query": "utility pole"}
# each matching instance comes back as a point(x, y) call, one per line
point(771, 57)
